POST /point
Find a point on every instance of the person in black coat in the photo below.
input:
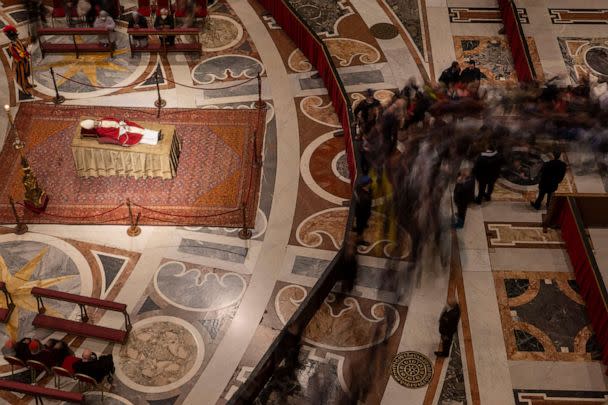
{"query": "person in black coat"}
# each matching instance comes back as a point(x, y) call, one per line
point(98, 368)
point(139, 21)
point(366, 111)
point(551, 174)
point(464, 194)
point(486, 171)
point(165, 21)
point(448, 325)
point(363, 207)
point(470, 74)
point(450, 75)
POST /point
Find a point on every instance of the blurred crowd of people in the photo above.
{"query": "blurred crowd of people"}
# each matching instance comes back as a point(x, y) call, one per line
point(451, 136)
point(56, 353)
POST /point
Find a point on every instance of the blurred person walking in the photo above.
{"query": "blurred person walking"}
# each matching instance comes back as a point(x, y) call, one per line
point(551, 174)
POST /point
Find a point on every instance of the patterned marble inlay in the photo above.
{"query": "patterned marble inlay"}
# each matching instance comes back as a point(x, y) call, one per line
point(199, 289)
point(322, 16)
point(454, 389)
point(543, 317)
point(221, 32)
point(220, 251)
point(227, 67)
point(482, 15)
point(578, 15)
point(493, 57)
point(26, 264)
point(585, 56)
point(161, 354)
point(408, 13)
point(317, 378)
point(548, 397)
point(348, 51)
point(97, 69)
point(522, 235)
point(340, 323)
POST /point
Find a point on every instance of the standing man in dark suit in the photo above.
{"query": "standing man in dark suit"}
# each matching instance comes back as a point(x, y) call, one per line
point(486, 171)
point(551, 174)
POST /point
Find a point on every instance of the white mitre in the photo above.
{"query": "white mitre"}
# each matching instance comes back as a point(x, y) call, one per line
point(87, 124)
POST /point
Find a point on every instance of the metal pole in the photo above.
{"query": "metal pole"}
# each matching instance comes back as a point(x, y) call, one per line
point(244, 233)
point(159, 103)
point(260, 103)
point(21, 228)
point(18, 144)
point(58, 99)
point(256, 158)
point(134, 229)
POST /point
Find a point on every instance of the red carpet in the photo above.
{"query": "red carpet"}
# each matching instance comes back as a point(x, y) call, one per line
point(215, 176)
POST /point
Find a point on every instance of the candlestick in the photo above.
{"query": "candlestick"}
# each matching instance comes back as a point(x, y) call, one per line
point(17, 143)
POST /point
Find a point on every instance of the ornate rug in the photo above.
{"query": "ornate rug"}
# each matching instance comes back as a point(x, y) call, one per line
point(215, 176)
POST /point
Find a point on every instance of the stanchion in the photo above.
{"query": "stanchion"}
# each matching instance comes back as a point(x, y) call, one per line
point(257, 160)
point(244, 233)
point(134, 229)
point(58, 99)
point(260, 103)
point(21, 228)
point(159, 103)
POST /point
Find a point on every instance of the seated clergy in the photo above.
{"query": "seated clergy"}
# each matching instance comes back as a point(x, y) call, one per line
point(125, 133)
point(139, 21)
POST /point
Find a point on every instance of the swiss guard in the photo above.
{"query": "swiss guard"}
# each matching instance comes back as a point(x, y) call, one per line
point(21, 58)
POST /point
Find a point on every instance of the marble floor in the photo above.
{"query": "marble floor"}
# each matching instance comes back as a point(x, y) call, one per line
point(205, 305)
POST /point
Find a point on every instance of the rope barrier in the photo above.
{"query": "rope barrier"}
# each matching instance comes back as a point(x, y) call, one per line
point(165, 78)
point(78, 217)
point(93, 85)
point(211, 88)
point(183, 215)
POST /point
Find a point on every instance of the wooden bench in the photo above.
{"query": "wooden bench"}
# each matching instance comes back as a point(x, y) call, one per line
point(162, 47)
point(38, 391)
point(80, 328)
point(5, 313)
point(73, 47)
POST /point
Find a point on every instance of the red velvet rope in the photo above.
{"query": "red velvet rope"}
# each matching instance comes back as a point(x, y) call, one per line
point(183, 215)
point(167, 79)
point(78, 217)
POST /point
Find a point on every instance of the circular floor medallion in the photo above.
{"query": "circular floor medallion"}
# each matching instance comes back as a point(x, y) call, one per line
point(412, 369)
point(162, 354)
point(597, 59)
point(384, 31)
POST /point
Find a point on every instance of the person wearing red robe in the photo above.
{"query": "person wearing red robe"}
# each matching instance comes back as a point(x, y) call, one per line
point(125, 133)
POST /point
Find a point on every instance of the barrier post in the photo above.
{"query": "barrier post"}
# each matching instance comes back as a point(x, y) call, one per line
point(58, 99)
point(21, 228)
point(257, 160)
point(18, 144)
point(260, 103)
point(159, 103)
point(134, 229)
point(244, 233)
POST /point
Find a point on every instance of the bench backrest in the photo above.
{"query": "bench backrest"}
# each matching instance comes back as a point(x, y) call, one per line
point(37, 390)
point(72, 31)
point(79, 299)
point(167, 31)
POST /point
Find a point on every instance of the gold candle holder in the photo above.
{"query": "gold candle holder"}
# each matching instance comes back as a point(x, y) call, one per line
point(17, 143)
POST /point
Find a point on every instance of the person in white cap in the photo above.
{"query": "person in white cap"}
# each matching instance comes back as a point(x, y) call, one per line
point(105, 21)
